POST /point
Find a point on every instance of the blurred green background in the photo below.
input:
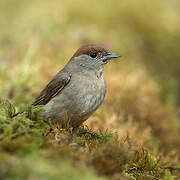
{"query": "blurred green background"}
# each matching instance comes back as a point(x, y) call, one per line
point(38, 37)
point(145, 32)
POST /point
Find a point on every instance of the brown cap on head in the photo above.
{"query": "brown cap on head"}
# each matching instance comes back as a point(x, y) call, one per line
point(89, 48)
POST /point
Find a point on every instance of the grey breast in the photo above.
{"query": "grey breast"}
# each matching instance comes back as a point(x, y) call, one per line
point(78, 100)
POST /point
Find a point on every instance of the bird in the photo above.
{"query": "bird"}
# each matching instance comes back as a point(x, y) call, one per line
point(77, 90)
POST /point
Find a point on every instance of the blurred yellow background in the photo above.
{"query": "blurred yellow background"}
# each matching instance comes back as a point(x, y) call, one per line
point(145, 32)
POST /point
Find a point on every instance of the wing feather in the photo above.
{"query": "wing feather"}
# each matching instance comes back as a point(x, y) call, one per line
point(53, 88)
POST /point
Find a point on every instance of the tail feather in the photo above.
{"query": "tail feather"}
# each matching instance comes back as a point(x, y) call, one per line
point(16, 114)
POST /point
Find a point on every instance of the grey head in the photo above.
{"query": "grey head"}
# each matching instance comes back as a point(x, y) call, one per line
point(91, 57)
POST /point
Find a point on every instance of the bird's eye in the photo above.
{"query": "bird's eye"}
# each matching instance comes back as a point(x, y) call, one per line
point(93, 55)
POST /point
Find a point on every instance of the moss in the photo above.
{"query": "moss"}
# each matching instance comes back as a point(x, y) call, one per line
point(33, 166)
point(24, 124)
point(32, 149)
point(145, 166)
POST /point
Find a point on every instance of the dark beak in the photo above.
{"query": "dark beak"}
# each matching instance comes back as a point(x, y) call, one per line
point(111, 56)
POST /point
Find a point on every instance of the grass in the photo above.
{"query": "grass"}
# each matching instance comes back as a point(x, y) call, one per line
point(135, 133)
point(52, 148)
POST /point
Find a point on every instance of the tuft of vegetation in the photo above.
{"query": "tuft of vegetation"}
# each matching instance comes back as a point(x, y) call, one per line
point(26, 140)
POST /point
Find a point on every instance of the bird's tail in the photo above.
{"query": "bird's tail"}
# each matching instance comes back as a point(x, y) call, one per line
point(16, 114)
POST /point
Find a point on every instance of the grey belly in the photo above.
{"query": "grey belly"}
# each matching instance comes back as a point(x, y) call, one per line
point(75, 107)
